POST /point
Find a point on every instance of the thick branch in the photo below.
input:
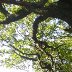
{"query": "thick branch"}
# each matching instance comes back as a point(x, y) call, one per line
point(25, 3)
point(56, 11)
point(40, 43)
point(19, 15)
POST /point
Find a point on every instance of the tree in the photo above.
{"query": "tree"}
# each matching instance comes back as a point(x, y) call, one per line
point(27, 29)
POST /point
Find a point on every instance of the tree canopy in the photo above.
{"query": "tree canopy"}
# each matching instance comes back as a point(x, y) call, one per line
point(37, 30)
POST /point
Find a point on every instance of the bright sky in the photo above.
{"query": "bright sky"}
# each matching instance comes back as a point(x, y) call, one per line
point(27, 69)
point(3, 69)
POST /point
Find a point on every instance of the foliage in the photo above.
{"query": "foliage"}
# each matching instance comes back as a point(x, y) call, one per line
point(37, 30)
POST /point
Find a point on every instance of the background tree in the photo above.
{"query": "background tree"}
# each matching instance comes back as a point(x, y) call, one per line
point(37, 30)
